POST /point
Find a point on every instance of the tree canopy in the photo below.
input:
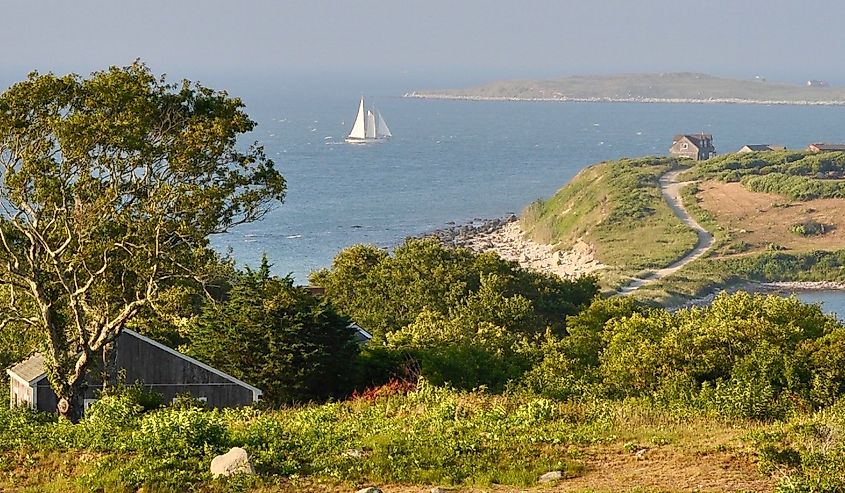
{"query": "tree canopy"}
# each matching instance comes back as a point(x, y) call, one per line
point(109, 189)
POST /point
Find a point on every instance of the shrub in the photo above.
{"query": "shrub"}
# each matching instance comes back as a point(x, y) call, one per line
point(808, 228)
point(181, 433)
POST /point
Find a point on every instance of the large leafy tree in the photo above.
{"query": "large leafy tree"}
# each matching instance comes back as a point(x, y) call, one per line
point(110, 187)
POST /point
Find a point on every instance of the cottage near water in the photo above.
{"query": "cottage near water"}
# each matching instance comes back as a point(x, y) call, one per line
point(693, 146)
point(157, 367)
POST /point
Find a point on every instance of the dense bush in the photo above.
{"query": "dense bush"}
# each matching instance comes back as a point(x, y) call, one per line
point(749, 356)
point(457, 317)
point(795, 174)
point(385, 293)
point(807, 452)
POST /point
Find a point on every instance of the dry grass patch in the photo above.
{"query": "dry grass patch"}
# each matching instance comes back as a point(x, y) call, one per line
point(760, 219)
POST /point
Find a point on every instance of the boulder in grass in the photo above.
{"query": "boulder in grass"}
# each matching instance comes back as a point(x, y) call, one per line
point(235, 461)
point(551, 476)
point(369, 489)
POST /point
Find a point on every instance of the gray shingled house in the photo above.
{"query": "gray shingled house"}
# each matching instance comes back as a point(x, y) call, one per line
point(693, 146)
point(159, 368)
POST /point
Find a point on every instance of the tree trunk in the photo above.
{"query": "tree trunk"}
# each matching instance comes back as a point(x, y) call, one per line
point(71, 404)
point(109, 373)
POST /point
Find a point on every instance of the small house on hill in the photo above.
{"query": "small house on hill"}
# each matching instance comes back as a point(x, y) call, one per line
point(157, 367)
point(761, 148)
point(826, 147)
point(693, 146)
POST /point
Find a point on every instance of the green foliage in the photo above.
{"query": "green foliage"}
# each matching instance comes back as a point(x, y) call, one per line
point(111, 188)
point(432, 435)
point(277, 337)
point(618, 208)
point(808, 228)
point(385, 293)
point(795, 174)
point(180, 433)
point(749, 353)
point(806, 452)
point(463, 318)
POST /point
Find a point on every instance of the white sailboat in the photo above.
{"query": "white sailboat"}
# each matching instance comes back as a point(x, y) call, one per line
point(369, 126)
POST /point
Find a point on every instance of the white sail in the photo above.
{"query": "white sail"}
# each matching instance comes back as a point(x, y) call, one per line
point(382, 131)
point(358, 129)
point(371, 125)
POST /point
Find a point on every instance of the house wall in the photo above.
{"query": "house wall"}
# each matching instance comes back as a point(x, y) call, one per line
point(20, 394)
point(678, 150)
point(692, 151)
point(169, 375)
point(159, 371)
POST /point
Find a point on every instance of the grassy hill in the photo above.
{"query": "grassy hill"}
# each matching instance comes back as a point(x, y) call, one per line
point(618, 208)
point(775, 216)
point(677, 87)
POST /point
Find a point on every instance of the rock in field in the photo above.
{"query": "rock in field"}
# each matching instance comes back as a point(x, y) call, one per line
point(235, 461)
point(551, 476)
point(369, 489)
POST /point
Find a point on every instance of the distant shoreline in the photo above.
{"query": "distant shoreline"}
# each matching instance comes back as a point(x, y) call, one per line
point(566, 99)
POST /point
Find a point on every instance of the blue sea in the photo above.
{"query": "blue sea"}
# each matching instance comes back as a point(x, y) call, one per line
point(455, 161)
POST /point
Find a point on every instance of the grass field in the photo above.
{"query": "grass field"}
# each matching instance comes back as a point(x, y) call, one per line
point(410, 443)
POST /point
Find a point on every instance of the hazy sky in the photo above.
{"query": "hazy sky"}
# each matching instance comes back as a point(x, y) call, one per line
point(779, 39)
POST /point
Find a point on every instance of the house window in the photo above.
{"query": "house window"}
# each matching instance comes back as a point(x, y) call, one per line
point(685, 146)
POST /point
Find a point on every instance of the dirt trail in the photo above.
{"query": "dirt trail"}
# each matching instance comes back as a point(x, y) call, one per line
point(671, 189)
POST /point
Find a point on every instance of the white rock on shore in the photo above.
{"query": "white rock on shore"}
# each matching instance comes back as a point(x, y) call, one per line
point(508, 242)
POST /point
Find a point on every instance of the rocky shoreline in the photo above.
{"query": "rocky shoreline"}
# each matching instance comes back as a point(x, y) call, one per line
point(504, 236)
point(804, 286)
point(567, 99)
point(781, 288)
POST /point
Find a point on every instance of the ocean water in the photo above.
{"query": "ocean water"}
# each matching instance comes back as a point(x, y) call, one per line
point(832, 302)
point(459, 160)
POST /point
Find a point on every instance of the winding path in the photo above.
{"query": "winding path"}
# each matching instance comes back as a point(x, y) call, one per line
point(671, 189)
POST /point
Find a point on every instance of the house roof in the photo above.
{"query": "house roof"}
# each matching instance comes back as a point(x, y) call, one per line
point(361, 335)
point(764, 147)
point(34, 368)
point(828, 147)
point(694, 138)
point(29, 370)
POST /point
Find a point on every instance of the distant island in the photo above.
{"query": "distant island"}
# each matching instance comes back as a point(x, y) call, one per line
point(648, 88)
